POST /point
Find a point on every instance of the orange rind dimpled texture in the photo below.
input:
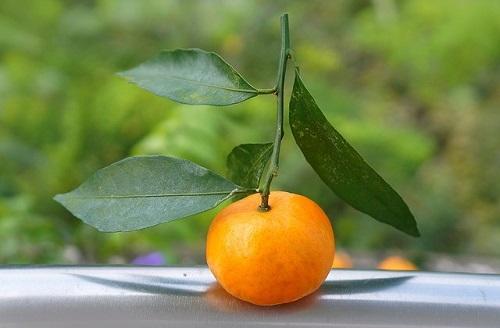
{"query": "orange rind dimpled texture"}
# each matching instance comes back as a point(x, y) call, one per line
point(273, 257)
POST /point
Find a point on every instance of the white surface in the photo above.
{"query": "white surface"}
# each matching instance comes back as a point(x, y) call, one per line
point(188, 297)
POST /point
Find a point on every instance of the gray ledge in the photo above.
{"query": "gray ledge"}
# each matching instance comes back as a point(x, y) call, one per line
point(111, 296)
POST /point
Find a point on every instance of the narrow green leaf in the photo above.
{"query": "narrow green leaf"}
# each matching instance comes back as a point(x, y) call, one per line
point(140, 192)
point(246, 162)
point(341, 167)
point(193, 77)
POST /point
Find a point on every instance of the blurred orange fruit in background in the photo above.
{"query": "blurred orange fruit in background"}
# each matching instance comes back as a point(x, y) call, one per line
point(342, 260)
point(396, 263)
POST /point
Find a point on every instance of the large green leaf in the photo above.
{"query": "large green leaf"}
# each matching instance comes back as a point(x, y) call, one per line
point(246, 162)
point(191, 76)
point(341, 167)
point(140, 192)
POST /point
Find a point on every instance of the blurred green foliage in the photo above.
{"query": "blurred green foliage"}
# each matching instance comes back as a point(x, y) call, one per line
point(414, 85)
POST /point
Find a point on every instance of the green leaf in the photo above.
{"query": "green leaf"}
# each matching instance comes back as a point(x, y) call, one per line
point(140, 192)
point(246, 163)
point(341, 167)
point(193, 77)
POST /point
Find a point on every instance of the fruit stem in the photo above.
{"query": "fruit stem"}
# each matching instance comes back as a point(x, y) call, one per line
point(272, 171)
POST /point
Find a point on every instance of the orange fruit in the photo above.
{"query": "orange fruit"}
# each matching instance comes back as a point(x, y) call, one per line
point(273, 257)
point(396, 263)
point(342, 261)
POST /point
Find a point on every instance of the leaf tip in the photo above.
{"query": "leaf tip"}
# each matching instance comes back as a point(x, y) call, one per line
point(416, 232)
point(412, 229)
point(59, 198)
point(122, 74)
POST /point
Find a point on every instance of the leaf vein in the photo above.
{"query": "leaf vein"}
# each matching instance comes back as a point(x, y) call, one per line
point(229, 192)
point(210, 85)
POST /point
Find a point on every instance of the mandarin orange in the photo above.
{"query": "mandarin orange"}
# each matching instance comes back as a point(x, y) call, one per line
point(396, 263)
point(272, 257)
point(342, 260)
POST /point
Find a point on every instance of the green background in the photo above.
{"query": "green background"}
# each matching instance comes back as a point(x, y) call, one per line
point(413, 85)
